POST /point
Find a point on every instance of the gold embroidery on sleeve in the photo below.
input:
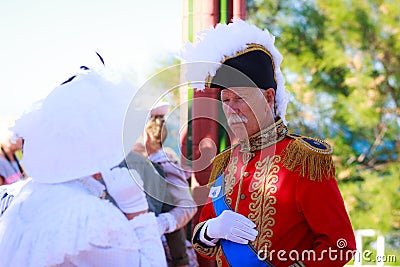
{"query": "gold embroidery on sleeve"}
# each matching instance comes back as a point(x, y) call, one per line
point(211, 251)
point(219, 257)
point(208, 251)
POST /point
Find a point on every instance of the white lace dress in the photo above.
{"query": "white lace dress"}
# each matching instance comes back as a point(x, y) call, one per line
point(67, 224)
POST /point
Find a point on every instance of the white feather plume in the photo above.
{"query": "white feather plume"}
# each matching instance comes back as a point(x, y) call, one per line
point(203, 58)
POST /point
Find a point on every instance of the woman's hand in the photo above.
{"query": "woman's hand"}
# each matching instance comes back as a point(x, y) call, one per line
point(125, 186)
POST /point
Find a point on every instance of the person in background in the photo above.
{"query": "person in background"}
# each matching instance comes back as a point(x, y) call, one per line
point(274, 199)
point(72, 140)
point(175, 214)
point(12, 175)
point(11, 170)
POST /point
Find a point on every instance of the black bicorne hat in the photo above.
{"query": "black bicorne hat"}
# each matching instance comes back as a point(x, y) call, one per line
point(252, 67)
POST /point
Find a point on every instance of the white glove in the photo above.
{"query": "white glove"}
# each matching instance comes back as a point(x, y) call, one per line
point(166, 223)
point(123, 185)
point(231, 226)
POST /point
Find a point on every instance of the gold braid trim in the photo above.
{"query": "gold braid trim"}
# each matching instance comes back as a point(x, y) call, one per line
point(207, 251)
point(219, 162)
point(218, 257)
point(260, 140)
point(311, 157)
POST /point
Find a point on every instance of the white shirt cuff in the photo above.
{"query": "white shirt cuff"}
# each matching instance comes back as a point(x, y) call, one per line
point(203, 240)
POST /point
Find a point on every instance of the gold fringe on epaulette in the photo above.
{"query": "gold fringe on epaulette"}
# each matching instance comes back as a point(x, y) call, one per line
point(311, 164)
point(220, 162)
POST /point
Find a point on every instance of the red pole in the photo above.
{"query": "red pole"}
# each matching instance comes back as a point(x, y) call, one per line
point(239, 9)
point(200, 15)
point(204, 124)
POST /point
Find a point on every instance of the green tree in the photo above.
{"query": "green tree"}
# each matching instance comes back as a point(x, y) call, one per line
point(342, 66)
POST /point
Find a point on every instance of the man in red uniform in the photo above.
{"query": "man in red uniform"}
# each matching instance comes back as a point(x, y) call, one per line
point(274, 200)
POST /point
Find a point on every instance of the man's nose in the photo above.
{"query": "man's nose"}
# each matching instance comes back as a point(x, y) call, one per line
point(233, 107)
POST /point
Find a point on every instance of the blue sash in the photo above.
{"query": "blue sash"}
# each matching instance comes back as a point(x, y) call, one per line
point(236, 254)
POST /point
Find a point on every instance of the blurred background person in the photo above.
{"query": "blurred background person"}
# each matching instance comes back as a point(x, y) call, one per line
point(154, 183)
point(10, 167)
point(176, 212)
point(12, 175)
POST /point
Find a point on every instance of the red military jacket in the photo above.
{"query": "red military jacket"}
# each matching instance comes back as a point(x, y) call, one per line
point(285, 184)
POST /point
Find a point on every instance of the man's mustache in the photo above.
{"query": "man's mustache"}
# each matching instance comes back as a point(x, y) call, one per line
point(236, 118)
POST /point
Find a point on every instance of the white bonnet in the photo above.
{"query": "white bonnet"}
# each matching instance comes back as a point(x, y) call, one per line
point(77, 129)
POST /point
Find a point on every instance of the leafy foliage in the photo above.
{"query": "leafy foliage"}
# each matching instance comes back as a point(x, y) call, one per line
point(342, 66)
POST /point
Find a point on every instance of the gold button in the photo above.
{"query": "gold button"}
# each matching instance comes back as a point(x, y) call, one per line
point(246, 174)
point(242, 196)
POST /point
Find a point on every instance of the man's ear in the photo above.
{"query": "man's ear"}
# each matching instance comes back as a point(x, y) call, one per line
point(269, 95)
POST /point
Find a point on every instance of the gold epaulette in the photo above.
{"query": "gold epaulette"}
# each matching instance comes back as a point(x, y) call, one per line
point(311, 157)
point(219, 162)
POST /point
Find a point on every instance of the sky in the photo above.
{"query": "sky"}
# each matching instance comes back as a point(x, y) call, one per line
point(44, 42)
